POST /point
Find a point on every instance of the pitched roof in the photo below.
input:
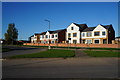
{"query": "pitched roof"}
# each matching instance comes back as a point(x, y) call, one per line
point(50, 32)
point(32, 36)
point(43, 33)
point(106, 26)
point(36, 33)
point(92, 28)
point(89, 29)
point(81, 26)
point(56, 31)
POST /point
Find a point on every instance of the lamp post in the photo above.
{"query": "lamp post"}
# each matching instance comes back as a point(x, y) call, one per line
point(48, 35)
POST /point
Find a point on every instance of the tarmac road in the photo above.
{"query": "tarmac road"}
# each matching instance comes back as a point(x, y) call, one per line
point(16, 50)
point(78, 67)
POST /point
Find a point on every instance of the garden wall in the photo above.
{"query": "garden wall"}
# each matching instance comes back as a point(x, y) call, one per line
point(77, 45)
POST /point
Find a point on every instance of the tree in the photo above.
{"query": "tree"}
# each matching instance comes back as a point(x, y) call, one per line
point(11, 35)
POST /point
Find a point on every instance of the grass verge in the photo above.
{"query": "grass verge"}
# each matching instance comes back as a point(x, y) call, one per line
point(52, 53)
point(102, 53)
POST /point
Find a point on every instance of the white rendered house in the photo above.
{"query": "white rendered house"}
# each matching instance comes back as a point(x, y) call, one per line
point(73, 33)
point(101, 34)
point(57, 36)
point(77, 33)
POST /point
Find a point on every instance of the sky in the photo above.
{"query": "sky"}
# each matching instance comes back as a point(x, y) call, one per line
point(29, 17)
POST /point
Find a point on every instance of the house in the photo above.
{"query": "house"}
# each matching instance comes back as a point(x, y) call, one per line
point(117, 38)
point(57, 36)
point(101, 34)
point(73, 33)
point(77, 33)
point(116, 41)
point(35, 38)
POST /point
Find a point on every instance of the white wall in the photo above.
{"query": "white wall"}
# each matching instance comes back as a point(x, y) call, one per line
point(34, 39)
point(76, 30)
point(47, 39)
point(98, 28)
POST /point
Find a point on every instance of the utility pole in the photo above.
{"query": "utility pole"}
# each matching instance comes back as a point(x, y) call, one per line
point(48, 35)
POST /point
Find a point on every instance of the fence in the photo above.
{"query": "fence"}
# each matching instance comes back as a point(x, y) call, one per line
point(77, 45)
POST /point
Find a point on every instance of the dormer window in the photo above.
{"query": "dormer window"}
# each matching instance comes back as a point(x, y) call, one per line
point(72, 28)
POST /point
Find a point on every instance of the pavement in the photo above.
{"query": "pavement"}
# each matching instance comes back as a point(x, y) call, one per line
point(78, 67)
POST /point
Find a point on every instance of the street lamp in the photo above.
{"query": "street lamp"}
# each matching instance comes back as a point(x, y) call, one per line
point(49, 23)
point(48, 35)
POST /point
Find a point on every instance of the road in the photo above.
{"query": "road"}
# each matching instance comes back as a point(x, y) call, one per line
point(17, 50)
point(77, 67)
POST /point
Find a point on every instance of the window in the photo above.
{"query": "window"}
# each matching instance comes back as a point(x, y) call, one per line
point(89, 34)
point(104, 41)
point(83, 34)
point(96, 33)
point(52, 36)
point(56, 35)
point(71, 28)
point(46, 36)
point(69, 35)
point(103, 33)
point(74, 41)
point(74, 34)
point(89, 41)
point(46, 41)
point(42, 36)
point(52, 41)
point(83, 41)
point(96, 41)
point(42, 41)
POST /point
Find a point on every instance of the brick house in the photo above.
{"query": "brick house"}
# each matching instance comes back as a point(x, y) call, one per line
point(57, 36)
point(77, 33)
point(101, 34)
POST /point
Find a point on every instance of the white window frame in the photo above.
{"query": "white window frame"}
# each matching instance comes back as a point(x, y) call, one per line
point(83, 34)
point(52, 41)
point(102, 33)
point(72, 27)
point(87, 41)
point(56, 35)
point(89, 34)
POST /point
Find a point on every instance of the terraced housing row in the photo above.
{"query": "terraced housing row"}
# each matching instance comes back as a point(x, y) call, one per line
point(77, 33)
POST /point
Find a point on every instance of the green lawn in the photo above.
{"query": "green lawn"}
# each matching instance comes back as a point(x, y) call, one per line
point(48, 54)
point(102, 53)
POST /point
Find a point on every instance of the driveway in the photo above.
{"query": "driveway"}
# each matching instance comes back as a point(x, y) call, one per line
point(79, 67)
point(17, 50)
